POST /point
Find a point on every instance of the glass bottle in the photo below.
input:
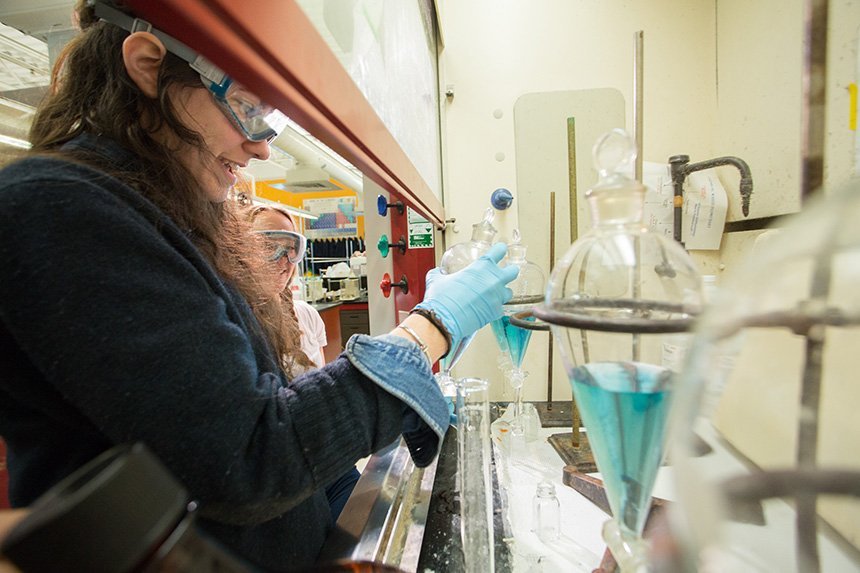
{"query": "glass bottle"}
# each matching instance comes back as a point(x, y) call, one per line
point(546, 513)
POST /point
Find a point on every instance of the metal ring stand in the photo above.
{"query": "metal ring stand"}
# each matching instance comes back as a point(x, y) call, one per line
point(574, 314)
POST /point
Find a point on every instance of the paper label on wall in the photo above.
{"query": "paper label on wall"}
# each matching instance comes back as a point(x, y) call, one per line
point(420, 231)
point(705, 206)
point(659, 193)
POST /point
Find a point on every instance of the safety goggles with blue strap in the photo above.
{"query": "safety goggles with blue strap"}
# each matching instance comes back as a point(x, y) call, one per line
point(253, 118)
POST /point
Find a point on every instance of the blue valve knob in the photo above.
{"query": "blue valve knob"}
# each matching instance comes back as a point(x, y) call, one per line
point(501, 199)
point(382, 205)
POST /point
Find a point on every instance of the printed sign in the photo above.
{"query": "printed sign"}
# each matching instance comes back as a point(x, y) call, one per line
point(420, 231)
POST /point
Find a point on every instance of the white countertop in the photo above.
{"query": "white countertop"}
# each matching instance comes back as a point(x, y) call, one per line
point(580, 546)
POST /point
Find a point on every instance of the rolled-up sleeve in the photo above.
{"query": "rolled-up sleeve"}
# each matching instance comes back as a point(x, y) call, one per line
point(398, 366)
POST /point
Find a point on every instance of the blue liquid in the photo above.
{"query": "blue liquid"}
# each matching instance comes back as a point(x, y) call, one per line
point(624, 407)
point(512, 339)
point(454, 355)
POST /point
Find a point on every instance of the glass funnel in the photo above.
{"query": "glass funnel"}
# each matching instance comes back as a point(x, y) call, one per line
point(774, 494)
point(456, 258)
point(528, 289)
point(611, 302)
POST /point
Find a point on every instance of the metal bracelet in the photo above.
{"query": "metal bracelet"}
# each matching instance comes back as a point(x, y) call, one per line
point(418, 340)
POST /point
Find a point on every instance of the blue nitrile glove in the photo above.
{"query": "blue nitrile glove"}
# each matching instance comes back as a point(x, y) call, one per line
point(472, 297)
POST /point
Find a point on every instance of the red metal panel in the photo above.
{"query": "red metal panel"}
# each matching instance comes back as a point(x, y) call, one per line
point(271, 47)
point(414, 264)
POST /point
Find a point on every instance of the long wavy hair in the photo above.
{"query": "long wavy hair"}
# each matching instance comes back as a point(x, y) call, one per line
point(92, 92)
point(250, 212)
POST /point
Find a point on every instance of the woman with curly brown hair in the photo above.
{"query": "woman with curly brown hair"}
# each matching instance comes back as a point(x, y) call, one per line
point(133, 307)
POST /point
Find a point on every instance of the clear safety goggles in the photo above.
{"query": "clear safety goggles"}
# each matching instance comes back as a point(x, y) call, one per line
point(285, 244)
point(254, 119)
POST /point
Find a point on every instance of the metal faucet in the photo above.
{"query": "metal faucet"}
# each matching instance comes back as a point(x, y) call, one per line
point(680, 167)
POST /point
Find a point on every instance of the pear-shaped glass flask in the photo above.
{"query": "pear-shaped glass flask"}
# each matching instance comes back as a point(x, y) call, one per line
point(610, 302)
point(775, 491)
point(528, 290)
point(458, 257)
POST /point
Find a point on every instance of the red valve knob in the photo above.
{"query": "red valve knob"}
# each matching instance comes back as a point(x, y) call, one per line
point(386, 285)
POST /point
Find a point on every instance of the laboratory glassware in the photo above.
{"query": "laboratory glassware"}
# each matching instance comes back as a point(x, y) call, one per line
point(474, 474)
point(528, 290)
point(611, 300)
point(456, 258)
point(546, 513)
point(782, 421)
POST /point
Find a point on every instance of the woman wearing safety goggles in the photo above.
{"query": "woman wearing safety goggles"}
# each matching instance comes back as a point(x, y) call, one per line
point(122, 200)
point(283, 244)
point(286, 248)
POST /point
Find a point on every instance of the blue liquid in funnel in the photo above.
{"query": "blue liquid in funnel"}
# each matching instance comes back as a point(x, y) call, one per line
point(624, 407)
point(512, 339)
point(454, 355)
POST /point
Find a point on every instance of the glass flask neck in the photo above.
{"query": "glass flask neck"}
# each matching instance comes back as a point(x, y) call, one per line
point(617, 206)
point(483, 231)
point(545, 489)
point(516, 254)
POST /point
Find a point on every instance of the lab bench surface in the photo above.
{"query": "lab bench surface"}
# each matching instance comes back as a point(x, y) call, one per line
point(413, 514)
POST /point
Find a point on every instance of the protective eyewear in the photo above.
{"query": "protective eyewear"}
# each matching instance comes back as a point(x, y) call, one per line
point(254, 119)
point(285, 244)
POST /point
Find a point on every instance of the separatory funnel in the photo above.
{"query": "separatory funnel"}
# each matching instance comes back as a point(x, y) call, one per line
point(528, 289)
point(456, 258)
point(611, 301)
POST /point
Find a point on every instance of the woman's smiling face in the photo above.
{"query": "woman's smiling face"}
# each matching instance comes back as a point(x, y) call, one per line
point(228, 150)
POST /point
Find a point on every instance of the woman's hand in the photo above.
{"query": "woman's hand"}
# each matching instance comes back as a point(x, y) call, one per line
point(470, 298)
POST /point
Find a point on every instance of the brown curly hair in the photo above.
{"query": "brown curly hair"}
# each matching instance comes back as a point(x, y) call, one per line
point(92, 92)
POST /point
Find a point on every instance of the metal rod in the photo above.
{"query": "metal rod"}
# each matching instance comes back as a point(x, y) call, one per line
point(551, 265)
point(571, 179)
point(638, 79)
point(814, 98)
point(812, 177)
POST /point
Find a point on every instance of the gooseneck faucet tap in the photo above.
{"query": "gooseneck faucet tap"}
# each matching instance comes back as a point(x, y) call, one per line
point(680, 168)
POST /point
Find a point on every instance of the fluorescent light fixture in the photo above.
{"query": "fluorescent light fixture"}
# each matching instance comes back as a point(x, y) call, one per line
point(14, 142)
point(288, 208)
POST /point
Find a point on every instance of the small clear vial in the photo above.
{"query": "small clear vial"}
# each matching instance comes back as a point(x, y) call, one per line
point(546, 513)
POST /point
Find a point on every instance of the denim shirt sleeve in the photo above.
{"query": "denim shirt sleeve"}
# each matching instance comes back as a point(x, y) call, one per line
point(400, 368)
